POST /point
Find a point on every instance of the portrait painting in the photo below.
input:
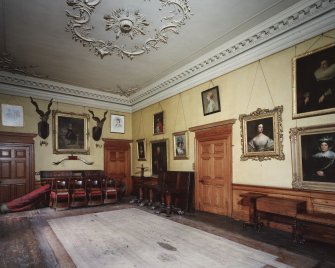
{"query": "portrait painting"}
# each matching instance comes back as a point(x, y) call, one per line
point(117, 123)
point(211, 101)
point(180, 145)
point(12, 115)
point(141, 148)
point(158, 123)
point(159, 157)
point(262, 134)
point(70, 133)
point(313, 157)
point(314, 83)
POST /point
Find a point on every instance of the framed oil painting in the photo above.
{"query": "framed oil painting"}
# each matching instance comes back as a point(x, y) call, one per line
point(211, 101)
point(70, 133)
point(314, 82)
point(159, 156)
point(262, 134)
point(180, 145)
point(12, 115)
point(141, 150)
point(117, 123)
point(158, 123)
point(313, 156)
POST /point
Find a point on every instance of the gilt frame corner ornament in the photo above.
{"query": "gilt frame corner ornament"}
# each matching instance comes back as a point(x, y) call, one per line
point(70, 133)
point(313, 166)
point(262, 134)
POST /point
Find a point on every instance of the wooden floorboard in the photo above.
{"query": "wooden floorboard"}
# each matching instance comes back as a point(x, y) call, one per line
point(26, 239)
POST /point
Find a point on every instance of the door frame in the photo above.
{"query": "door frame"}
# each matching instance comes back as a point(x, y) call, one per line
point(208, 132)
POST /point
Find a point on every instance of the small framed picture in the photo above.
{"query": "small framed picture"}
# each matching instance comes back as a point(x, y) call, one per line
point(180, 145)
point(262, 134)
point(159, 156)
point(313, 157)
point(211, 101)
point(158, 123)
point(117, 123)
point(12, 115)
point(314, 82)
point(141, 150)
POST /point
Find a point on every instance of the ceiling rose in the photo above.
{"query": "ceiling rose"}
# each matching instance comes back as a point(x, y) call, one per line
point(126, 23)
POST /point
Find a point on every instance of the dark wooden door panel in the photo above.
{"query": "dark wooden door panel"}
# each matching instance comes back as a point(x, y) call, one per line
point(16, 166)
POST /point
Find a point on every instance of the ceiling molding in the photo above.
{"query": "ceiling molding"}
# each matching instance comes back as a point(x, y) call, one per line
point(284, 22)
point(25, 86)
point(126, 23)
point(302, 21)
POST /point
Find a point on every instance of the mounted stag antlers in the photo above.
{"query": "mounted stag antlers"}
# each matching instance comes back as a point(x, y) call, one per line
point(43, 126)
point(97, 130)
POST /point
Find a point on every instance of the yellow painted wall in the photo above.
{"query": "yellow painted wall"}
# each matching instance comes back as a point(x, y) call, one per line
point(44, 156)
point(264, 84)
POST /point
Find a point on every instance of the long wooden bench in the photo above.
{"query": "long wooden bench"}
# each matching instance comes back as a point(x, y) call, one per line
point(316, 226)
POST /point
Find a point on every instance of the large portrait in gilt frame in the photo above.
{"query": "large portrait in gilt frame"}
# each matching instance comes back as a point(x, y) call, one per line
point(313, 157)
point(70, 133)
point(262, 134)
point(314, 82)
point(180, 145)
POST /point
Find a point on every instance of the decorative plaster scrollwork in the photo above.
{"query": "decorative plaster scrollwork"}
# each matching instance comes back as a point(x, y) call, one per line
point(124, 22)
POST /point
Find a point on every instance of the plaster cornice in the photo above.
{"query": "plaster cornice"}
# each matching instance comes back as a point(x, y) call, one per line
point(302, 21)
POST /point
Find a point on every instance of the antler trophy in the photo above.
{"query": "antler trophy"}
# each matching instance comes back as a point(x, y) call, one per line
point(43, 126)
point(97, 130)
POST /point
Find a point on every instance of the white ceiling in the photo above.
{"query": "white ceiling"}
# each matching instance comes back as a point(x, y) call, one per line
point(217, 36)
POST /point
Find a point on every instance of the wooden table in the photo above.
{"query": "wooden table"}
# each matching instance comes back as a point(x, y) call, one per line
point(249, 199)
point(281, 212)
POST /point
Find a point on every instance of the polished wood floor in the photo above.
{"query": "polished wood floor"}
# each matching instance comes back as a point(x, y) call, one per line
point(26, 239)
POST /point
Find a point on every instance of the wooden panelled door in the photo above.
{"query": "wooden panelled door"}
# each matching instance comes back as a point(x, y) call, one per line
point(117, 161)
point(16, 165)
point(214, 170)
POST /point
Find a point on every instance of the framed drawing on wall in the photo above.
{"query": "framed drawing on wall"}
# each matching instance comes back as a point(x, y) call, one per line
point(117, 123)
point(180, 145)
point(158, 123)
point(262, 134)
point(159, 157)
point(313, 157)
point(211, 100)
point(314, 82)
point(12, 115)
point(141, 148)
point(70, 133)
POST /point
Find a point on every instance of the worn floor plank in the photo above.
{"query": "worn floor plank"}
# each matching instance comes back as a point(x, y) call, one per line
point(135, 238)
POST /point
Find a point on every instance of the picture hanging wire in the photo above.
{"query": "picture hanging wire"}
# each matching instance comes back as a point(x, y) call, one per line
point(318, 39)
point(253, 84)
point(140, 127)
point(180, 102)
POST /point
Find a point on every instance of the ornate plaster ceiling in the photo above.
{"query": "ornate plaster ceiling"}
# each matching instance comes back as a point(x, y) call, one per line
point(127, 54)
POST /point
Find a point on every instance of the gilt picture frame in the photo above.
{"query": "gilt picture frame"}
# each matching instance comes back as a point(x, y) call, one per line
point(70, 133)
point(141, 150)
point(312, 149)
point(159, 156)
point(180, 145)
point(211, 101)
point(117, 124)
point(262, 134)
point(158, 123)
point(314, 82)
